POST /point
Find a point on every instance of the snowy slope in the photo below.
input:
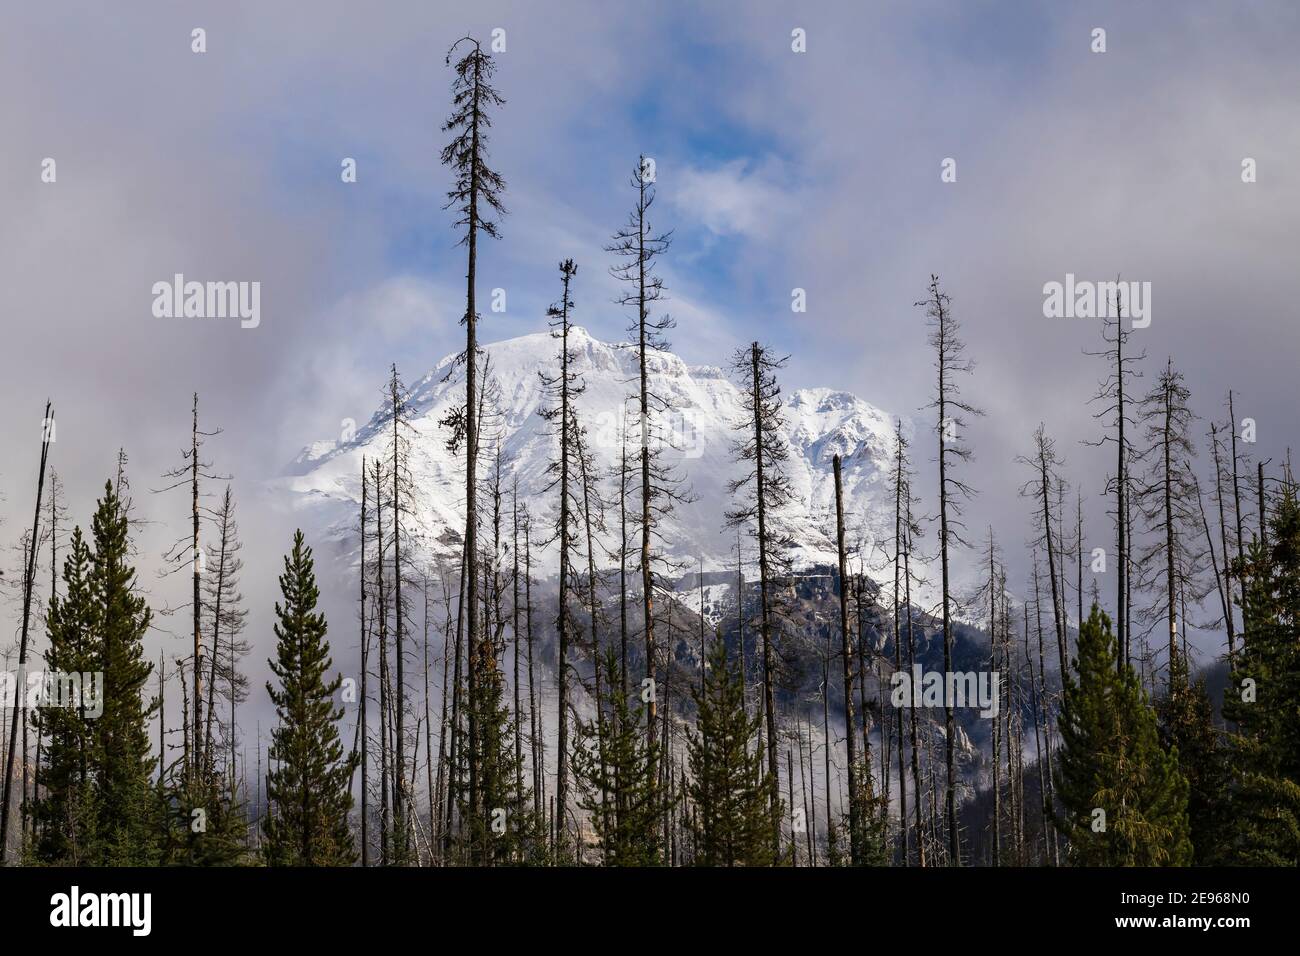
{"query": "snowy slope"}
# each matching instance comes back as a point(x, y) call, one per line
point(704, 411)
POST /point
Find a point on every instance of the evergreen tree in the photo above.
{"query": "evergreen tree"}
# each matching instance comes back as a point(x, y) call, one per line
point(1261, 698)
point(308, 787)
point(1187, 727)
point(504, 830)
point(126, 800)
point(65, 815)
point(1111, 761)
point(615, 766)
point(730, 789)
point(99, 806)
point(205, 823)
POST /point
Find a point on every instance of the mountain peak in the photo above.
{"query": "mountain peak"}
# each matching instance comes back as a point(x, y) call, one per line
point(703, 411)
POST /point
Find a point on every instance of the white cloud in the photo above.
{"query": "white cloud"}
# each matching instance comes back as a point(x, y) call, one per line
point(738, 198)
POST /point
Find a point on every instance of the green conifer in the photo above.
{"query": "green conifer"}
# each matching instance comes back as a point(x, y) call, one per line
point(1263, 698)
point(730, 789)
point(1124, 799)
point(308, 785)
point(1187, 728)
point(127, 806)
point(65, 814)
point(614, 763)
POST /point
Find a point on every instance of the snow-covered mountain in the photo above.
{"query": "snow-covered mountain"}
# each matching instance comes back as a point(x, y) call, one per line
point(698, 430)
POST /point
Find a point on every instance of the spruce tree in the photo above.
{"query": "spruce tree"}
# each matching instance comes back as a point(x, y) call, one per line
point(308, 787)
point(65, 814)
point(615, 766)
point(126, 800)
point(1261, 698)
point(1187, 726)
point(1124, 800)
point(730, 788)
point(204, 822)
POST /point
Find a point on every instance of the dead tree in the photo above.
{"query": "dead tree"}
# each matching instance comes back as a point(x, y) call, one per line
point(224, 605)
point(29, 581)
point(638, 247)
point(562, 388)
point(761, 494)
point(1044, 463)
point(476, 197)
point(1166, 499)
point(950, 361)
point(1115, 416)
point(846, 658)
point(188, 551)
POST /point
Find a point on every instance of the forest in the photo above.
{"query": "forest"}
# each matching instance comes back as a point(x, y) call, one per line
point(555, 697)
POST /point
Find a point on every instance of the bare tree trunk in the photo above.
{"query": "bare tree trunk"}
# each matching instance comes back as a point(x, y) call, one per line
point(911, 665)
point(381, 609)
point(365, 692)
point(789, 796)
point(769, 699)
point(534, 740)
point(399, 703)
point(846, 650)
point(428, 723)
point(514, 607)
point(29, 580)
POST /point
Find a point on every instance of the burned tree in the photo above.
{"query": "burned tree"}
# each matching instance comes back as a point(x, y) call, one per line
point(950, 361)
point(764, 490)
point(476, 197)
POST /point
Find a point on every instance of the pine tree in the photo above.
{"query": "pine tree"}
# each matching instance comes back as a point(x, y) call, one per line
point(950, 359)
point(1116, 405)
point(1187, 728)
point(562, 389)
point(476, 196)
point(1167, 499)
point(729, 788)
point(204, 822)
point(1124, 799)
point(766, 491)
point(615, 765)
point(638, 247)
point(308, 785)
point(65, 815)
point(126, 801)
point(1261, 697)
point(503, 830)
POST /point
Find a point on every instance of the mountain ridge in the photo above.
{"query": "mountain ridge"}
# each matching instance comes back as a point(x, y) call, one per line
point(703, 415)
